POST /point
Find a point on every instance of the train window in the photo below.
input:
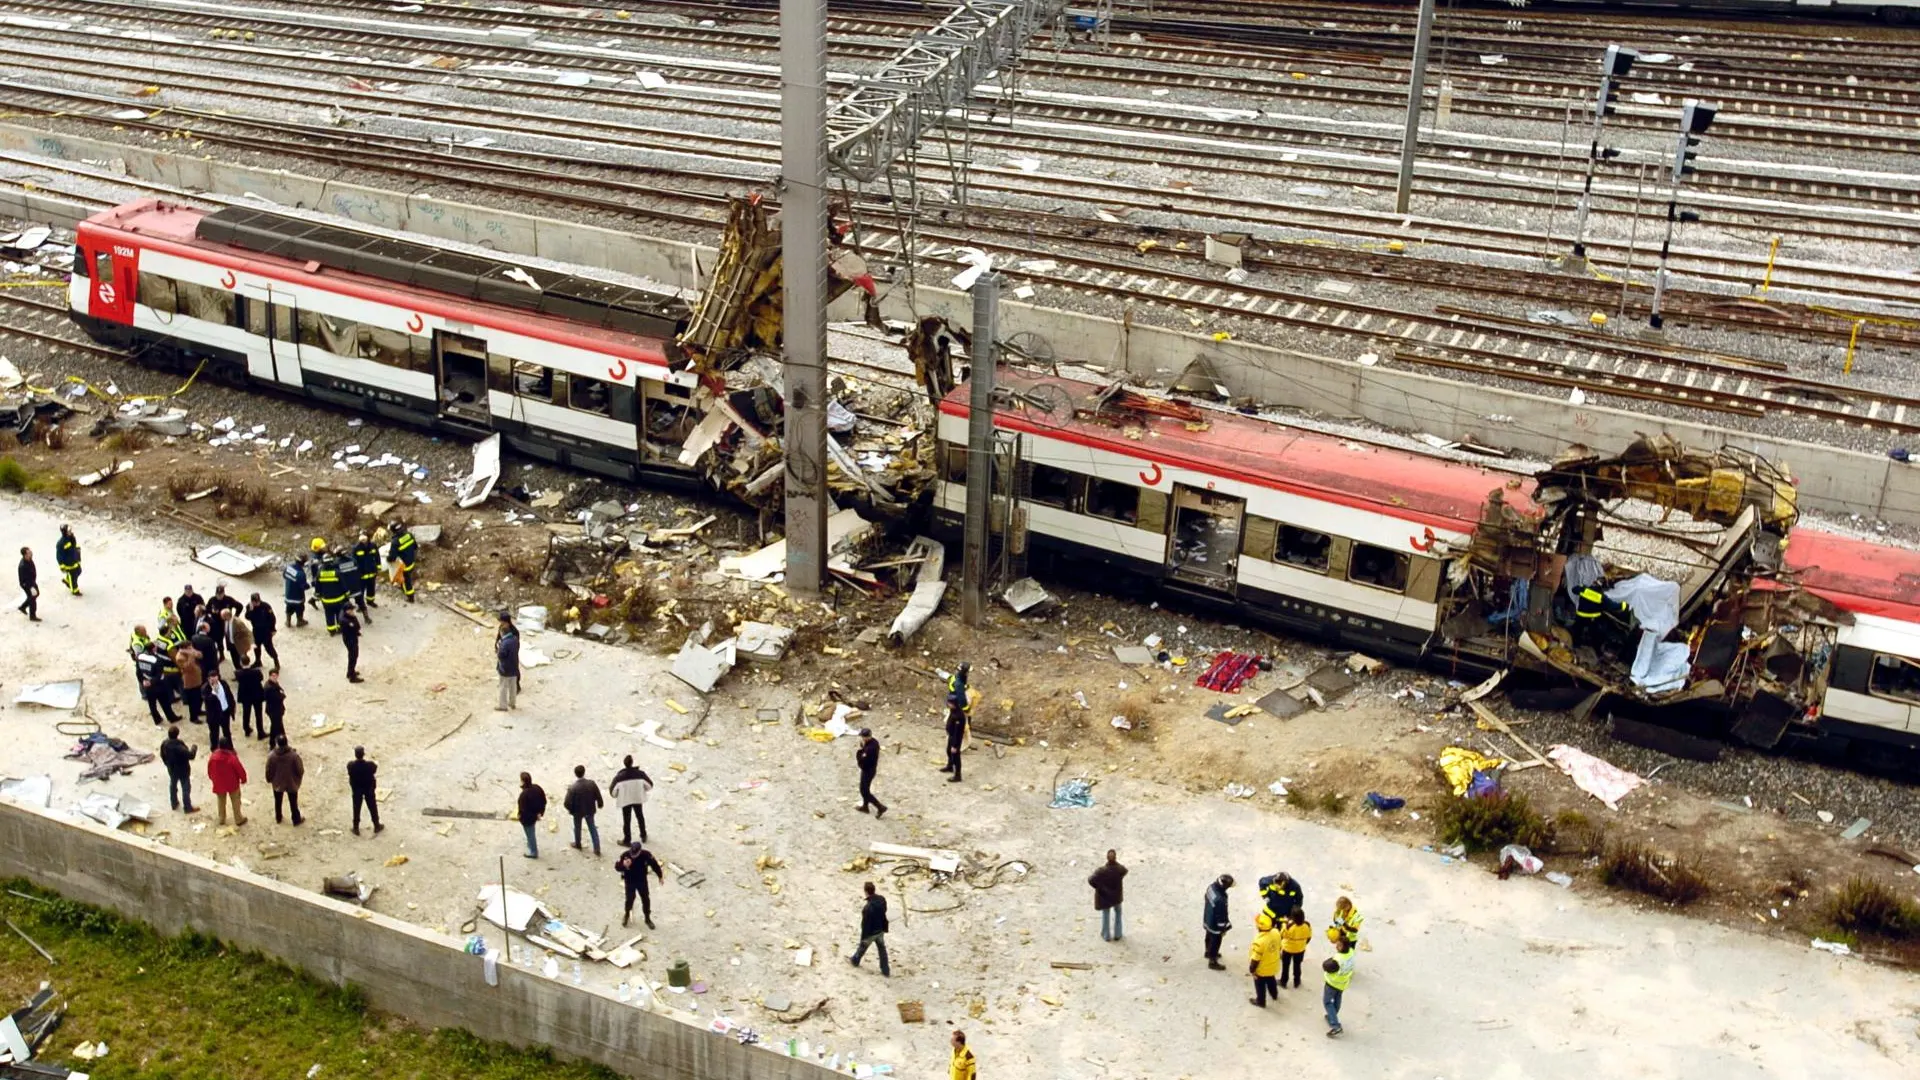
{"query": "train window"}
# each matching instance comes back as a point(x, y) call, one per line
point(1895, 677)
point(588, 395)
point(102, 266)
point(1303, 548)
point(326, 332)
point(80, 262)
point(532, 380)
point(1113, 500)
point(204, 303)
point(623, 403)
point(420, 354)
point(157, 292)
point(285, 326)
point(953, 463)
point(1256, 537)
point(1056, 487)
point(673, 391)
point(390, 347)
point(1378, 567)
point(254, 316)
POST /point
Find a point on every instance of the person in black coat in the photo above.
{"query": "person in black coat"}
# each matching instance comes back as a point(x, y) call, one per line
point(583, 800)
point(533, 803)
point(251, 682)
point(177, 756)
point(867, 758)
point(873, 929)
point(66, 552)
point(260, 616)
point(217, 698)
point(350, 637)
point(361, 781)
point(29, 586)
point(633, 865)
point(187, 607)
point(1214, 921)
point(956, 736)
point(276, 701)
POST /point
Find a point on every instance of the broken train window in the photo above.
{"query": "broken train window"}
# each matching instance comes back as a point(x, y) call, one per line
point(1895, 677)
point(1378, 567)
point(1303, 548)
point(1053, 486)
point(1113, 500)
point(953, 462)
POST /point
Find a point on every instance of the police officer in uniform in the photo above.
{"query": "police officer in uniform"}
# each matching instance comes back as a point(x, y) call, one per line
point(66, 552)
point(405, 554)
point(147, 671)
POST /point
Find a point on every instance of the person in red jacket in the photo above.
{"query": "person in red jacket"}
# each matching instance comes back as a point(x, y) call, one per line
point(226, 773)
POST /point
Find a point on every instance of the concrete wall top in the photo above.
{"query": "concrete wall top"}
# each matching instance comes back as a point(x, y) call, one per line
point(1837, 482)
point(402, 968)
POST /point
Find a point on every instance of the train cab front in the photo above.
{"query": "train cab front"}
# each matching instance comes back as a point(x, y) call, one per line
point(102, 288)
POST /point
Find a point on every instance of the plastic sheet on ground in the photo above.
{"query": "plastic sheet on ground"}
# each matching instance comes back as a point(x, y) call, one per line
point(53, 695)
point(1601, 779)
point(1459, 764)
point(1524, 860)
point(519, 911)
point(1073, 793)
point(1657, 665)
point(228, 561)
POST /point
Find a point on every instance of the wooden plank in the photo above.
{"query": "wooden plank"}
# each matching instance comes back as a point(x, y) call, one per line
point(1493, 721)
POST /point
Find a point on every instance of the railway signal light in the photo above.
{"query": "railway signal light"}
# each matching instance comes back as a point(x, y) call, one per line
point(1613, 66)
point(1695, 119)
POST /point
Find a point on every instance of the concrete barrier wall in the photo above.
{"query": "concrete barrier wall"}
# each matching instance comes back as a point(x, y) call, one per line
point(403, 969)
point(1832, 481)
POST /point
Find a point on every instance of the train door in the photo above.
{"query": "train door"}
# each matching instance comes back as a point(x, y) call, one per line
point(271, 317)
point(460, 368)
point(115, 274)
point(1204, 548)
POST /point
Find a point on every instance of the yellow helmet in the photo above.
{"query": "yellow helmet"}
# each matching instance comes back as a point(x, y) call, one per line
point(319, 543)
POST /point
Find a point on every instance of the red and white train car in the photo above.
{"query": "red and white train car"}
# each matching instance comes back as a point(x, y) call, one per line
point(576, 371)
point(1338, 540)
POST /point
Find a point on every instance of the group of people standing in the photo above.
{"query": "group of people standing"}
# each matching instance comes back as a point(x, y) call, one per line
point(1279, 948)
point(344, 583)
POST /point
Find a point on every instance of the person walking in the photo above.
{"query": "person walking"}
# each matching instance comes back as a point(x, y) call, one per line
point(276, 699)
point(1263, 961)
point(293, 590)
point(178, 757)
point(362, 782)
point(29, 586)
point(873, 929)
point(251, 688)
point(404, 554)
point(366, 568)
point(1106, 896)
point(226, 773)
point(66, 552)
point(218, 701)
point(629, 789)
point(1339, 972)
point(1293, 946)
point(583, 800)
point(633, 865)
point(284, 773)
point(187, 659)
point(963, 1065)
point(1214, 920)
point(261, 620)
point(506, 662)
point(867, 758)
point(533, 803)
point(349, 624)
point(1346, 922)
point(1281, 894)
point(956, 737)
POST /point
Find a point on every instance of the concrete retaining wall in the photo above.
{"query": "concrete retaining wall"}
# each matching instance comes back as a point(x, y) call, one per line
point(402, 968)
point(1831, 481)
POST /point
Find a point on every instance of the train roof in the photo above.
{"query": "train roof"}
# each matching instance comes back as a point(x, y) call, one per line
point(1859, 575)
point(452, 284)
point(1415, 487)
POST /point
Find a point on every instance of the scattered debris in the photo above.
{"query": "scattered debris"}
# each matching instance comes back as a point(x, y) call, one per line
point(929, 588)
point(911, 1012)
point(37, 947)
point(1026, 595)
point(228, 561)
point(53, 695)
point(478, 484)
point(1072, 794)
point(92, 478)
point(1837, 948)
point(1598, 778)
point(1857, 829)
point(1229, 671)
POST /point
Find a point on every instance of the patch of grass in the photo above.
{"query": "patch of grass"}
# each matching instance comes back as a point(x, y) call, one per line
point(346, 513)
point(192, 1006)
point(1863, 906)
point(185, 482)
point(1574, 833)
point(127, 442)
point(50, 483)
point(56, 437)
point(1332, 802)
point(1635, 866)
point(244, 496)
point(456, 568)
point(521, 566)
point(13, 475)
point(292, 508)
point(1488, 824)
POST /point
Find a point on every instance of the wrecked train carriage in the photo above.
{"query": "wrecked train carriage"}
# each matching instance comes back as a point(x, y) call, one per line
point(1406, 555)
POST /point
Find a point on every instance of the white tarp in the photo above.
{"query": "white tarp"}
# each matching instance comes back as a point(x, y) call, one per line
point(520, 908)
point(1657, 665)
point(228, 561)
point(486, 472)
point(53, 695)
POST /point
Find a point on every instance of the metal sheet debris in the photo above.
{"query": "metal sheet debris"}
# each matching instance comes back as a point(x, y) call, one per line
point(764, 643)
point(53, 695)
point(518, 912)
point(28, 790)
point(228, 561)
point(1025, 595)
point(478, 484)
point(701, 667)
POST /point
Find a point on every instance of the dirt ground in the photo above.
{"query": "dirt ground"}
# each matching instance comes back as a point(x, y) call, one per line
point(1645, 992)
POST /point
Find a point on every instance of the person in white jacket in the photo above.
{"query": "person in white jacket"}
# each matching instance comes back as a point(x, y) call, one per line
point(630, 786)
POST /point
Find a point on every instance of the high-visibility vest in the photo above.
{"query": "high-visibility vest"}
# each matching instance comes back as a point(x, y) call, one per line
point(328, 584)
point(139, 643)
point(1592, 603)
point(1339, 979)
point(403, 548)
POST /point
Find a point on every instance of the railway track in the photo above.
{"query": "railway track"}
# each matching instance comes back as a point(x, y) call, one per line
point(45, 322)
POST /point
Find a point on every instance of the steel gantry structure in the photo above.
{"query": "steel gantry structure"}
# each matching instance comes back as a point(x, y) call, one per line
point(859, 138)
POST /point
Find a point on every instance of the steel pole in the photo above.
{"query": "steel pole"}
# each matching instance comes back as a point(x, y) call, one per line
point(1416, 98)
point(1585, 205)
point(973, 596)
point(803, 242)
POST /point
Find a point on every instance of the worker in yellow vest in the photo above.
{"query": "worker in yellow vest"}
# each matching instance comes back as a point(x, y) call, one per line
point(1263, 961)
point(1339, 972)
point(1346, 922)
